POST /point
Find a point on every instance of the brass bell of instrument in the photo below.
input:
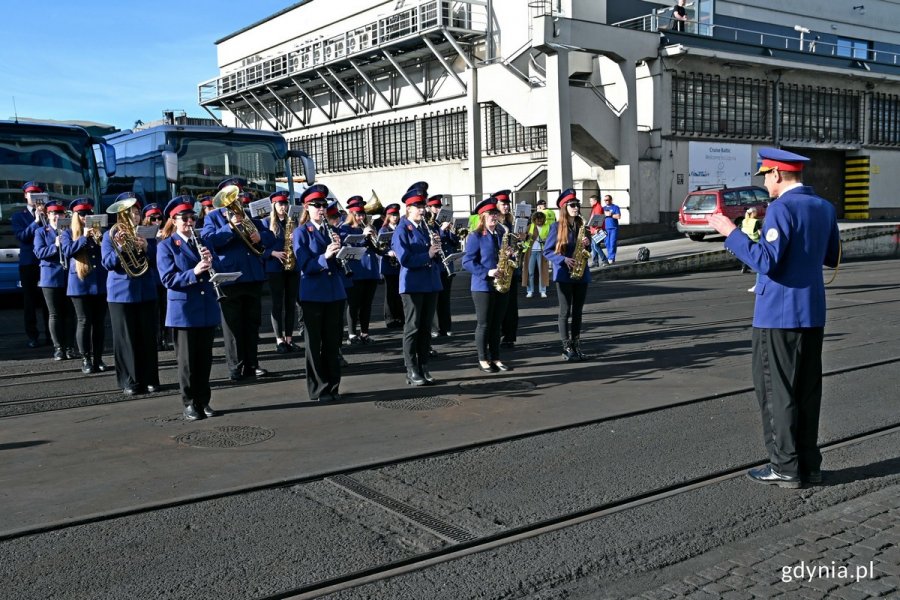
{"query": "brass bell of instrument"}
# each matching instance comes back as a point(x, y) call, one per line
point(227, 199)
point(133, 259)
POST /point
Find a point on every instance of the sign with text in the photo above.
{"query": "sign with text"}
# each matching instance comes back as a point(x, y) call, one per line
point(713, 163)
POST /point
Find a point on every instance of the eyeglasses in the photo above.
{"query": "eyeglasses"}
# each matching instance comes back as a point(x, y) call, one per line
point(188, 217)
point(574, 204)
point(154, 218)
point(318, 205)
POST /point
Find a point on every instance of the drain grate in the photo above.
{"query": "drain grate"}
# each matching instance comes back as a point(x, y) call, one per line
point(425, 403)
point(228, 436)
point(493, 387)
point(442, 529)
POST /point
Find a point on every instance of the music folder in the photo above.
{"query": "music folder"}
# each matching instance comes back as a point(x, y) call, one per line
point(595, 221)
point(521, 225)
point(354, 238)
point(461, 223)
point(350, 253)
point(445, 215)
point(260, 208)
point(148, 232)
point(455, 259)
point(385, 238)
point(523, 210)
point(225, 277)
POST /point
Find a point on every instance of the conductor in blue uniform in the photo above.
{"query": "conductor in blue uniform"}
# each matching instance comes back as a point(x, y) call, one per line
point(53, 281)
point(242, 302)
point(192, 312)
point(25, 224)
point(322, 295)
point(800, 235)
point(420, 282)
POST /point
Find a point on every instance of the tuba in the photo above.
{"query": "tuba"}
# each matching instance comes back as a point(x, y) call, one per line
point(227, 198)
point(580, 253)
point(506, 265)
point(133, 259)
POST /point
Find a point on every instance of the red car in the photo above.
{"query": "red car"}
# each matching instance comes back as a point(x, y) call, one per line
point(693, 216)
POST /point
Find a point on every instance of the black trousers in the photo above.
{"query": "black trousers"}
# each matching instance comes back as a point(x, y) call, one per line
point(162, 332)
point(359, 304)
point(419, 310)
point(571, 303)
point(62, 317)
point(134, 343)
point(393, 305)
point(787, 375)
point(511, 318)
point(90, 333)
point(241, 317)
point(193, 353)
point(33, 299)
point(284, 287)
point(490, 308)
point(322, 327)
point(444, 322)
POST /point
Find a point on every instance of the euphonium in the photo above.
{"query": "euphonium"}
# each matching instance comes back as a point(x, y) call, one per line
point(580, 254)
point(227, 198)
point(133, 259)
point(290, 259)
point(506, 265)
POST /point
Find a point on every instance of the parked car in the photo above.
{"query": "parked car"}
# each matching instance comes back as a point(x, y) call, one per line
point(693, 216)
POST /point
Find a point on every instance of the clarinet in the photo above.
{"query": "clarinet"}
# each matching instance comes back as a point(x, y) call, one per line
point(212, 272)
point(439, 255)
point(335, 236)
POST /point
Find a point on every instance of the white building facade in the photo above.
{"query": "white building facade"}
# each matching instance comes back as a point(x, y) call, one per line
point(475, 96)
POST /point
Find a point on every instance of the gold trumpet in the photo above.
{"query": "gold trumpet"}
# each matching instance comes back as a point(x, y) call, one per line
point(133, 259)
point(227, 198)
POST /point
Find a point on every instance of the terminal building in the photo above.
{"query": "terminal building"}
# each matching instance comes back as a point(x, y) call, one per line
point(611, 96)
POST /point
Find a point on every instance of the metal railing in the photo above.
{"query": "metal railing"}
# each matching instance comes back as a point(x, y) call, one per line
point(466, 16)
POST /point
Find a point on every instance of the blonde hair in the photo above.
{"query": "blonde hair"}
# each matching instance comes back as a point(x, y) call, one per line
point(82, 263)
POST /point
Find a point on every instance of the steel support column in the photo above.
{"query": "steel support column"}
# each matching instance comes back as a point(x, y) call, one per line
point(404, 76)
point(444, 62)
point(336, 92)
point(346, 89)
point(262, 105)
point(370, 83)
point(286, 107)
point(311, 101)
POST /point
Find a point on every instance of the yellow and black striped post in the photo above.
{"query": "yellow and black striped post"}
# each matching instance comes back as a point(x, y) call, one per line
point(856, 187)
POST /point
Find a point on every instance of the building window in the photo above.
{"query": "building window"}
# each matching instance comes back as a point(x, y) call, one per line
point(850, 48)
point(314, 146)
point(347, 150)
point(444, 135)
point(504, 135)
point(394, 143)
point(819, 114)
point(884, 125)
point(707, 105)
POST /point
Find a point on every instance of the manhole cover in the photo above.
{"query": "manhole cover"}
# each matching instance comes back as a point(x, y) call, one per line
point(164, 420)
point(229, 436)
point(426, 403)
point(493, 387)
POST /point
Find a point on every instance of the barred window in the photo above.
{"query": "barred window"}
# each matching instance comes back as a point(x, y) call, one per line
point(314, 146)
point(347, 150)
point(444, 135)
point(819, 114)
point(735, 107)
point(394, 143)
point(884, 127)
point(504, 135)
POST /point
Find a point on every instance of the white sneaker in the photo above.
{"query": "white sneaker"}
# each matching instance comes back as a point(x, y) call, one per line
point(529, 295)
point(752, 290)
point(543, 294)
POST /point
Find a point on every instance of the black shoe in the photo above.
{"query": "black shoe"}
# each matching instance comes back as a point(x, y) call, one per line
point(576, 348)
point(501, 366)
point(343, 361)
point(132, 391)
point(151, 389)
point(192, 414)
point(235, 375)
point(72, 354)
point(770, 476)
point(100, 366)
point(568, 353)
point(210, 412)
point(86, 366)
point(413, 377)
point(260, 372)
point(812, 478)
point(292, 347)
point(354, 340)
point(336, 397)
point(59, 354)
point(282, 348)
point(365, 339)
point(491, 368)
point(33, 343)
point(426, 374)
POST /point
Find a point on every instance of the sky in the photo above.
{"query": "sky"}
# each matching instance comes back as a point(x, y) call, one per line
point(114, 61)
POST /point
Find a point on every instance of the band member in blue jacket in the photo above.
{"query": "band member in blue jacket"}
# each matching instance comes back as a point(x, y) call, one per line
point(510, 328)
point(151, 215)
point(25, 224)
point(390, 270)
point(322, 295)
point(482, 254)
point(420, 282)
point(449, 245)
point(242, 304)
point(86, 285)
point(53, 282)
point(800, 235)
point(132, 304)
point(560, 248)
point(284, 278)
point(184, 269)
point(365, 273)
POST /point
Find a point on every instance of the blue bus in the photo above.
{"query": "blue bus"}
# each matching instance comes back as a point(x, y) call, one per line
point(67, 159)
point(165, 161)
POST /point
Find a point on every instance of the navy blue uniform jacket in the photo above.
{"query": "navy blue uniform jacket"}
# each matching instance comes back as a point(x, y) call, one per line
point(560, 270)
point(191, 299)
point(419, 273)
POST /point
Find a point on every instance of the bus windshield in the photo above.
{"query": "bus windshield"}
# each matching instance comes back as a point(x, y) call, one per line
point(204, 162)
point(63, 162)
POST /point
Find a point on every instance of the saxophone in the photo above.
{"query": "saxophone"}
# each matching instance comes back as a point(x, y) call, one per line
point(506, 266)
point(580, 254)
point(290, 259)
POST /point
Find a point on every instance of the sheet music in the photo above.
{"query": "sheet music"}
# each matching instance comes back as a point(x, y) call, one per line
point(260, 208)
point(523, 210)
point(148, 232)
